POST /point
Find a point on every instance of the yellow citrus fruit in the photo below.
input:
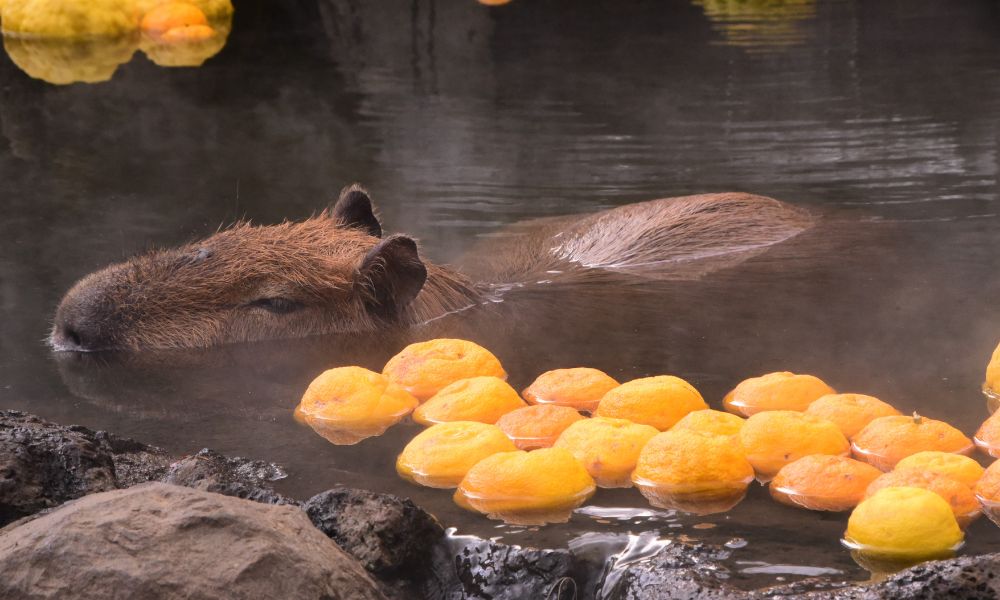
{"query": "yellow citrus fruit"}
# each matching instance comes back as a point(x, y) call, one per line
point(692, 472)
point(66, 19)
point(958, 467)
point(710, 422)
point(424, 368)
point(774, 438)
point(992, 384)
point(988, 435)
point(581, 388)
point(442, 454)
point(823, 482)
point(775, 391)
point(538, 426)
point(607, 448)
point(165, 17)
point(355, 397)
point(958, 495)
point(658, 401)
point(483, 399)
point(850, 412)
point(887, 440)
point(904, 522)
point(541, 486)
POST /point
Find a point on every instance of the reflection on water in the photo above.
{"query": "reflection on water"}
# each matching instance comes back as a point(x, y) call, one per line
point(760, 25)
point(65, 41)
point(462, 119)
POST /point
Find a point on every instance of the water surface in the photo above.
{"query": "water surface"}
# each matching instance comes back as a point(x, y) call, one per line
point(880, 117)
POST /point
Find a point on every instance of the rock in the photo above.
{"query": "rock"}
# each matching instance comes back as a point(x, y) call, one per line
point(390, 536)
point(156, 541)
point(43, 465)
point(231, 476)
point(492, 571)
point(679, 571)
point(135, 462)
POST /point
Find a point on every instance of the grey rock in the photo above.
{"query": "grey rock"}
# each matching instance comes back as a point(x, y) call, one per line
point(389, 535)
point(678, 571)
point(231, 476)
point(43, 465)
point(156, 541)
point(491, 571)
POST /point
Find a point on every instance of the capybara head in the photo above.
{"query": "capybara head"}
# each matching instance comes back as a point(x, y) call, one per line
point(329, 273)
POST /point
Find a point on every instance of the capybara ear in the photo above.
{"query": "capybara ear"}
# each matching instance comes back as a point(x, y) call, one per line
point(392, 274)
point(354, 209)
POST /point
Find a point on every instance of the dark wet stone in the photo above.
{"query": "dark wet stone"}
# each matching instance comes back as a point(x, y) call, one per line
point(678, 571)
point(135, 462)
point(43, 465)
point(157, 541)
point(390, 536)
point(492, 571)
point(231, 476)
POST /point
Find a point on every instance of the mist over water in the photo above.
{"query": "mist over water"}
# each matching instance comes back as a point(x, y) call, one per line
point(882, 118)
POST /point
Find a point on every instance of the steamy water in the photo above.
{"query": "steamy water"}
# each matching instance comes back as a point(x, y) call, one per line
point(882, 118)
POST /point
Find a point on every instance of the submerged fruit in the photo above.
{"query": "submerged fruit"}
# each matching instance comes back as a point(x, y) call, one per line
point(775, 391)
point(539, 426)
point(442, 454)
point(774, 438)
point(541, 486)
point(354, 400)
point(483, 399)
point(710, 422)
point(165, 17)
point(904, 523)
point(424, 368)
point(991, 387)
point(696, 473)
point(957, 466)
point(988, 435)
point(607, 448)
point(658, 401)
point(823, 482)
point(65, 61)
point(581, 388)
point(958, 495)
point(71, 19)
point(850, 412)
point(887, 440)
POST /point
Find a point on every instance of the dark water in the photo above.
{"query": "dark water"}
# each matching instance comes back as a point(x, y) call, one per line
point(880, 116)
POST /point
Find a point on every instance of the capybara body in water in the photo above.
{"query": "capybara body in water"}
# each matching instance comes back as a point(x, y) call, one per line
point(335, 272)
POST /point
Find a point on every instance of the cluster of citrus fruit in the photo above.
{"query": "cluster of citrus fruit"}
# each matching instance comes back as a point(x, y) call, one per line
point(534, 457)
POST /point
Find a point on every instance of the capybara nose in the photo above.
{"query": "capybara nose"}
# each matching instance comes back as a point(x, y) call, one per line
point(77, 328)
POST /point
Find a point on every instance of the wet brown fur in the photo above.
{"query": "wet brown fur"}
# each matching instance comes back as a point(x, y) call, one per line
point(211, 292)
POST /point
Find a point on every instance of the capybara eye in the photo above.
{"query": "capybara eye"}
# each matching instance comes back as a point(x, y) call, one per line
point(278, 306)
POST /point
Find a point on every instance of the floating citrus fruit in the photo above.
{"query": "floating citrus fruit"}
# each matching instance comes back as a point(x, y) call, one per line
point(424, 368)
point(823, 482)
point(988, 435)
point(904, 523)
point(541, 486)
point(775, 391)
point(607, 448)
point(581, 388)
point(538, 426)
point(887, 440)
point(658, 401)
point(696, 473)
point(442, 454)
point(358, 402)
point(957, 466)
point(850, 412)
point(66, 19)
point(987, 491)
point(483, 399)
point(710, 422)
point(991, 387)
point(958, 495)
point(774, 438)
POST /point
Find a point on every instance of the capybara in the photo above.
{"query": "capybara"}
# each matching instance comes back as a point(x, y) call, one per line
point(335, 272)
